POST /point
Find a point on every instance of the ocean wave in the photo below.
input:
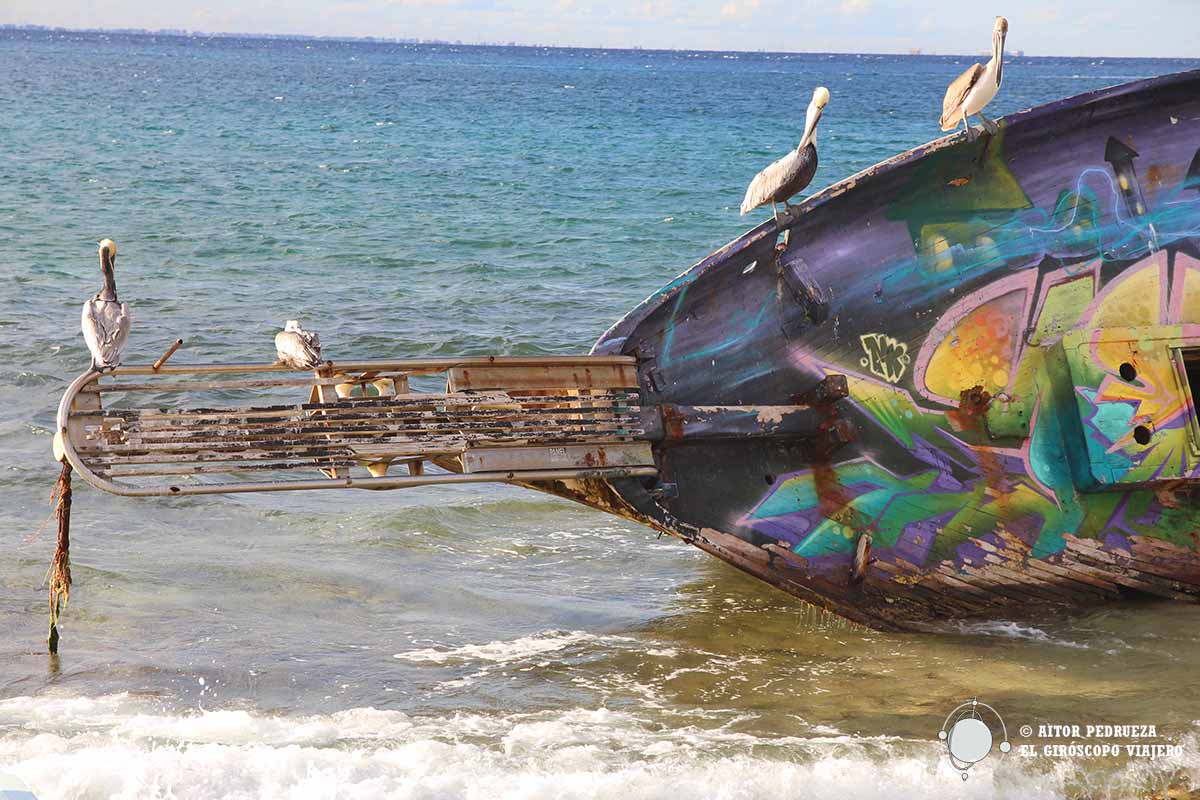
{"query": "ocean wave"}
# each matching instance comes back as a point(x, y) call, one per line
point(121, 746)
point(505, 652)
point(1015, 630)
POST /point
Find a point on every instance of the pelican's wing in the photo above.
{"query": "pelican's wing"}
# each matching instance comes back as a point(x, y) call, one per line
point(294, 349)
point(769, 181)
point(120, 332)
point(956, 95)
point(92, 334)
point(106, 327)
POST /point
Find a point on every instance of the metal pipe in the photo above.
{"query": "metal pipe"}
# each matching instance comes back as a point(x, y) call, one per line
point(403, 364)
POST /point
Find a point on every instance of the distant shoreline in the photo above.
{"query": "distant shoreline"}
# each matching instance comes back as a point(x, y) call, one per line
point(181, 33)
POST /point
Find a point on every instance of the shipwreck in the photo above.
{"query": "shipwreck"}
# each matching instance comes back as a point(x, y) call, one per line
point(962, 383)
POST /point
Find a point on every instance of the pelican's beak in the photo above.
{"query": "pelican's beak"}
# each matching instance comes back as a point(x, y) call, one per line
point(810, 124)
point(998, 37)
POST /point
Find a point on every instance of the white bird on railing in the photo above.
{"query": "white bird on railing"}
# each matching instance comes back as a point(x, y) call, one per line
point(298, 348)
point(976, 87)
point(106, 320)
point(792, 173)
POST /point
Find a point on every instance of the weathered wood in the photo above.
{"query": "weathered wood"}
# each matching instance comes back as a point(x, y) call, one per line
point(412, 366)
point(495, 402)
point(543, 376)
point(210, 469)
point(305, 455)
point(1049, 573)
point(499, 459)
point(363, 418)
point(391, 420)
point(157, 365)
point(310, 436)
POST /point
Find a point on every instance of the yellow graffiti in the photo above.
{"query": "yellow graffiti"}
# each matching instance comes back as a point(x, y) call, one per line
point(886, 357)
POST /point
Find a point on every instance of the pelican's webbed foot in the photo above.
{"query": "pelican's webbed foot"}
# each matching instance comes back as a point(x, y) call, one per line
point(988, 125)
point(967, 125)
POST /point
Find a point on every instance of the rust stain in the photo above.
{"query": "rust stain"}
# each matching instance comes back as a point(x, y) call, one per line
point(958, 182)
point(672, 423)
point(972, 406)
point(833, 500)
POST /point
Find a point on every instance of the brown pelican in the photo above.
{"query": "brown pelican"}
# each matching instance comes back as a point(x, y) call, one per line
point(106, 320)
point(976, 87)
point(298, 348)
point(793, 172)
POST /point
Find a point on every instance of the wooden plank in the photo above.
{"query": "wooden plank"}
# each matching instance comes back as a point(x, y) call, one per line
point(383, 421)
point(1048, 573)
point(1004, 570)
point(574, 376)
point(598, 430)
point(83, 407)
point(1084, 551)
point(305, 455)
point(503, 459)
point(496, 402)
point(1150, 568)
point(939, 599)
point(214, 469)
point(412, 366)
point(185, 443)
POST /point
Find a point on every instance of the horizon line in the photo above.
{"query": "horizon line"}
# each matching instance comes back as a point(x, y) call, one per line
point(189, 33)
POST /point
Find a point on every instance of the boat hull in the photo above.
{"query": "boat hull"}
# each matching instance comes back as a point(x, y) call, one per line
point(1011, 320)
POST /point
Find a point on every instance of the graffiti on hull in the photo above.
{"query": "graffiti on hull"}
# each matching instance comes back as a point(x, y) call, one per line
point(1076, 333)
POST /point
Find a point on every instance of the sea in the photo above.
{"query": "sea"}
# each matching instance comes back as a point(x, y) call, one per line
point(480, 642)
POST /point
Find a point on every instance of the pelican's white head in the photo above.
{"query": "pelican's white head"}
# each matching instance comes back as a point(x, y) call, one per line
point(292, 325)
point(108, 247)
point(820, 99)
point(999, 34)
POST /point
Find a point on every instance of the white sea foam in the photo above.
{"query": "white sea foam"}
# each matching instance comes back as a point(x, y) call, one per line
point(121, 747)
point(1015, 630)
point(504, 652)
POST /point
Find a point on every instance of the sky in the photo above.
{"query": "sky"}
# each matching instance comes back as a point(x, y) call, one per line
point(1039, 27)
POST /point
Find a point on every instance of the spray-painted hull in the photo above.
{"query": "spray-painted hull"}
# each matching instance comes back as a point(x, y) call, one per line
point(983, 300)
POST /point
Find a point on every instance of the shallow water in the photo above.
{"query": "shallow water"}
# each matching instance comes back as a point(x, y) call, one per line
point(484, 641)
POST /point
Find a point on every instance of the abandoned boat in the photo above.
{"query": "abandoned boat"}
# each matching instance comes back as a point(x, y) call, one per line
point(961, 383)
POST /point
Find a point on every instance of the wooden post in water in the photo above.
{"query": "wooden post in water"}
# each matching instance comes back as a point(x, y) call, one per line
point(60, 567)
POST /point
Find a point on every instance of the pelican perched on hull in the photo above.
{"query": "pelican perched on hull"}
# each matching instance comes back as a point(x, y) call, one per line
point(298, 348)
point(790, 174)
point(106, 320)
point(976, 87)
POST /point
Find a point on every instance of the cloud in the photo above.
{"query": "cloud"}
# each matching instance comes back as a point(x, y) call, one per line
point(852, 7)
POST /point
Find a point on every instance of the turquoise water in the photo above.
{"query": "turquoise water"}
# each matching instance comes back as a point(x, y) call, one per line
point(482, 642)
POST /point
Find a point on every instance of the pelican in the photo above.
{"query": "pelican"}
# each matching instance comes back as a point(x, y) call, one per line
point(106, 320)
point(298, 348)
point(976, 87)
point(793, 172)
